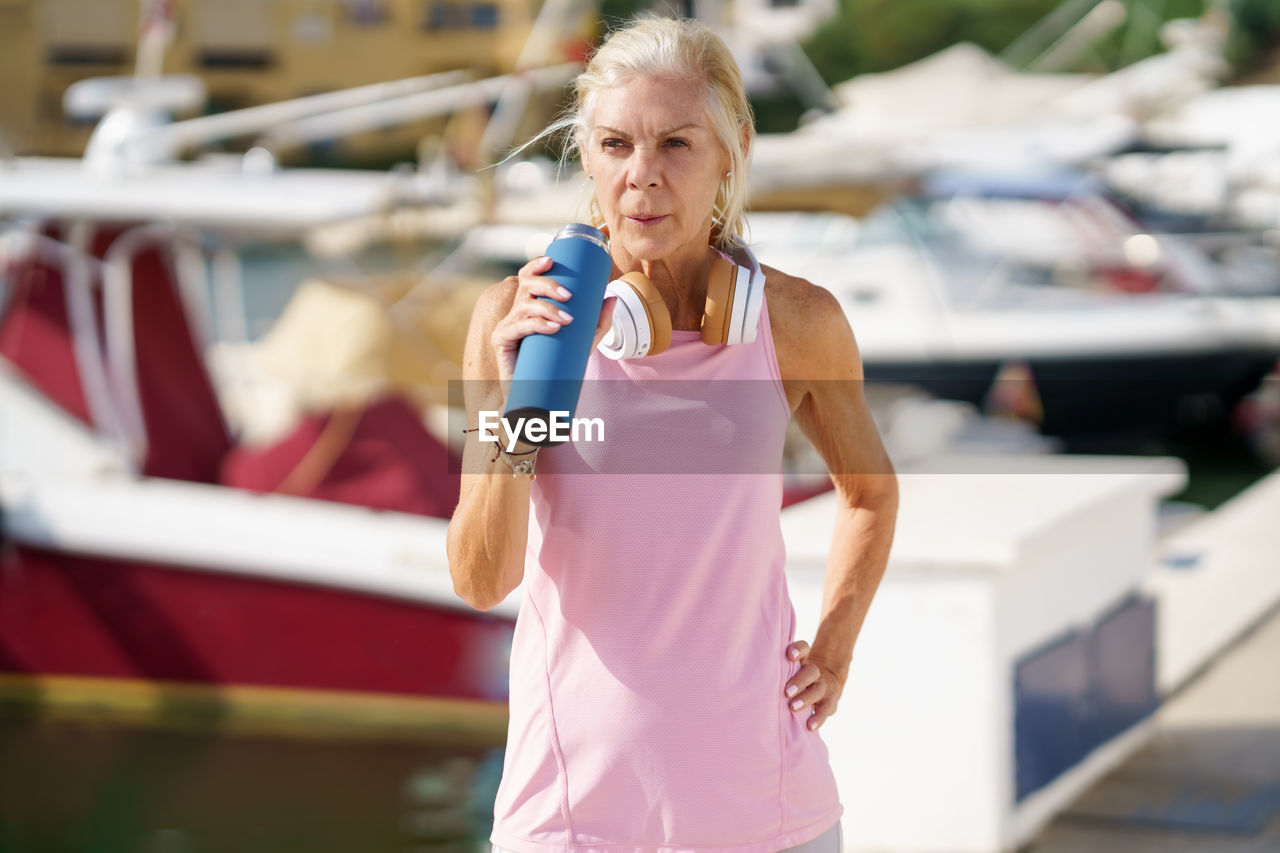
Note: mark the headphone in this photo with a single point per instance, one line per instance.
(730, 315)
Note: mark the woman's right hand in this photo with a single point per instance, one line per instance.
(529, 315)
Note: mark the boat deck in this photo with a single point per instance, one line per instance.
(1208, 780)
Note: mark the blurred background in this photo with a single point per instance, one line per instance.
(240, 242)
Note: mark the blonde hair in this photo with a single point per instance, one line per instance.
(674, 48)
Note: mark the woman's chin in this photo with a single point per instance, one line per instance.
(650, 246)
(646, 248)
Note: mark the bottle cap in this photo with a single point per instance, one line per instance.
(584, 232)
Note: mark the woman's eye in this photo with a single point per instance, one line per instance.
(678, 143)
(612, 143)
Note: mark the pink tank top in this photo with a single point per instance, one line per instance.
(648, 662)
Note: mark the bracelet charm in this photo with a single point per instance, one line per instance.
(522, 468)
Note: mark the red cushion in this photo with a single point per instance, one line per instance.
(381, 457)
(186, 434)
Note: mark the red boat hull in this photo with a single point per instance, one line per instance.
(89, 621)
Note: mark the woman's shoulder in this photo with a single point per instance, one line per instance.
(796, 295)
(808, 324)
(494, 302)
(490, 307)
(798, 308)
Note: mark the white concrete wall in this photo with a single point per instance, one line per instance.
(1219, 576)
(987, 566)
(914, 742)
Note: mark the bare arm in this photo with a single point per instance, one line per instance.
(488, 532)
(833, 414)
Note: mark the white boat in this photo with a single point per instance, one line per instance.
(1214, 159)
(965, 108)
(1112, 329)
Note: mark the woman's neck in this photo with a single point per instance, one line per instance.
(681, 278)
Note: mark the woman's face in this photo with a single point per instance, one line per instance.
(656, 165)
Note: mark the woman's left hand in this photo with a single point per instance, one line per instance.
(814, 687)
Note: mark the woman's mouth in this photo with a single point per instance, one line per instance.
(646, 221)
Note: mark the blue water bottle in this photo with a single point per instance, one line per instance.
(549, 368)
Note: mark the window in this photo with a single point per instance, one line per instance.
(233, 33)
(449, 15)
(366, 12)
(444, 15)
(88, 22)
(86, 32)
(228, 58)
(484, 16)
(87, 54)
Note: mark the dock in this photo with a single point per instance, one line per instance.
(1207, 781)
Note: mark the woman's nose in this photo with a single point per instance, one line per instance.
(643, 172)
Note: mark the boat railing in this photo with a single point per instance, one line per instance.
(81, 272)
(181, 135)
(188, 262)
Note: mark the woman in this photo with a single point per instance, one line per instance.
(658, 700)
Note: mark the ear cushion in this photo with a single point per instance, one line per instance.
(654, 308)
(641, 325)
(719, 303)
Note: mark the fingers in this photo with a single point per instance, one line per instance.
(536, 308)
(535, 266)
(530, 314)
(533, 283)
(530, 285)
(821, 712)
(813, 690)
(805, 688)
(819, 701)
(512, 330)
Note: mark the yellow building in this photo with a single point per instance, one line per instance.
(247, 52)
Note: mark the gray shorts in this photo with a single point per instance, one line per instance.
(831, 841)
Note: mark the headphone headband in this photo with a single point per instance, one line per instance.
(753, 296)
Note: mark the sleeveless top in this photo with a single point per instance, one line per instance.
(649, 656)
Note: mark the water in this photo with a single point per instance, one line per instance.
(76, 786)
